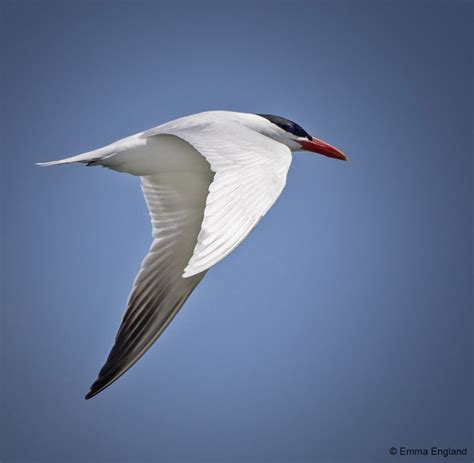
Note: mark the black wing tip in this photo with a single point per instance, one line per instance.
(94, 390)
(115, 366)
(89, 395)
(106, 379)
(99, 385)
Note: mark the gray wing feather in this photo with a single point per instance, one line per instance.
(176, 202)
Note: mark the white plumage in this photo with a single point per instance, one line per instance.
(207, 180)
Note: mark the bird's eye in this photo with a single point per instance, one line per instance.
(310, 138)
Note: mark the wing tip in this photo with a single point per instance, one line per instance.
(95, 389)
(89, 395)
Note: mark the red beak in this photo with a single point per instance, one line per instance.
(321, 147)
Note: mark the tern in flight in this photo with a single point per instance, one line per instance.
(208, 179)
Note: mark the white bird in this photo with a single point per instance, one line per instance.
(208, 179)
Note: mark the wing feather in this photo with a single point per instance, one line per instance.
(198, 217)
(176, 202)
(250, 173)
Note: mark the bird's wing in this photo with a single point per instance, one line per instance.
(196, 223)
(176, 203)
(250, 173)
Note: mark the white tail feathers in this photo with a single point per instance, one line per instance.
(86, 158)
(104, 156)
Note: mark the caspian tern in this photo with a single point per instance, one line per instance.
(207, 179)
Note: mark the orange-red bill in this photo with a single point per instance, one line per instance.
(321, 147)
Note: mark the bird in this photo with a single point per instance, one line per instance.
(207, 179)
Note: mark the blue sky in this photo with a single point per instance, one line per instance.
(340, 328)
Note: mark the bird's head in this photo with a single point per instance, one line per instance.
(296, 138)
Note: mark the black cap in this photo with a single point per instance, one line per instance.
(287, 125)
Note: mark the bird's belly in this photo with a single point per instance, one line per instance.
(159, 154)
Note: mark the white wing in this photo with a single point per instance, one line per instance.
(250, 173)
(214, 190)
(176, 202)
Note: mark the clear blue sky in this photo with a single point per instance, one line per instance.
(340, 328)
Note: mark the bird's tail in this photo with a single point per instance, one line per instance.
(86, 158)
